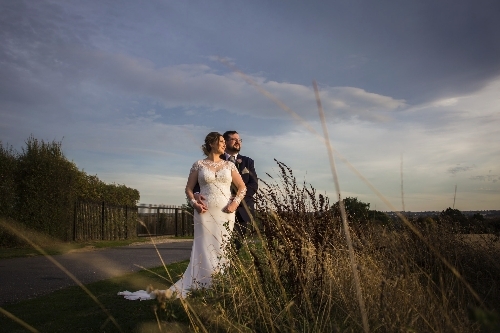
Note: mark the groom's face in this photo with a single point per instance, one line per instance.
(233, 144)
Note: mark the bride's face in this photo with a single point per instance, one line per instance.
(219, 147)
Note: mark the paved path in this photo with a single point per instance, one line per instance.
(24, 278)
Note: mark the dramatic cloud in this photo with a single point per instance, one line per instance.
(132, 89)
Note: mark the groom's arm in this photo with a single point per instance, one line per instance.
(252, 184)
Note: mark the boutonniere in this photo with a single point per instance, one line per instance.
(239, 160)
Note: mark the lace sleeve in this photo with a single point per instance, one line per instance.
(240, 195)
(195, 167)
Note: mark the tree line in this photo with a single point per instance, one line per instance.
(39, 187)
(359, 214)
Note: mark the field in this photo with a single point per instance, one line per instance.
(404, 288)
(307, 266)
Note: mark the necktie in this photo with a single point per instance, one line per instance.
(232, 159)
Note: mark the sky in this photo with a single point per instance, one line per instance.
(409, 91)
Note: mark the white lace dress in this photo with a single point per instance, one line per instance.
(211, 229)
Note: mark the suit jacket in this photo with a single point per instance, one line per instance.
(246, 169)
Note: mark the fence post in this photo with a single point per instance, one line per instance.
(102, 221)
(183, 223)
(150, 221)
(176, 220)
(158, 226)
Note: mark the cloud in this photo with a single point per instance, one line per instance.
(198, 85)
(486, 189)
(486, 178)
(152, 114)
(80, 72)
(454, 170)
(375, 148)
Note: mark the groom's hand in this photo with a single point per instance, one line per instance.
(199, 208)
(231, 208)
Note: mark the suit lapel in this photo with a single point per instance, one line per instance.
(242, 165)
(238, 157)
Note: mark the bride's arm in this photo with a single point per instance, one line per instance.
(241, 190)
(191, 183)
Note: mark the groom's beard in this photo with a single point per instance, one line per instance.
(233, 150)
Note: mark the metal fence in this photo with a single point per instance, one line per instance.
(101, 221)
(164, 220)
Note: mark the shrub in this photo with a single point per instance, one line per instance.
(45, 182)
(40, 188)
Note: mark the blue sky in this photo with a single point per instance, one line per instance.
(132, 88)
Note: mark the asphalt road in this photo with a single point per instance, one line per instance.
(25, 278)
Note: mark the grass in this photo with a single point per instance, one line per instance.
(249, 298)
(71, 310)
(298, 276)
(52, 248)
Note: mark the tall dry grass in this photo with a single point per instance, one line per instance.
(294, 274)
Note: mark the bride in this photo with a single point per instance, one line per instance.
(213, 219)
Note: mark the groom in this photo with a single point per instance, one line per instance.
(246, 169)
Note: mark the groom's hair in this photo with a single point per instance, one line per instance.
(228, 133)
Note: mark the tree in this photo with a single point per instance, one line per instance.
(356, 211)
(380, 217)
(453, 215)
(477, 217)
(8, 164)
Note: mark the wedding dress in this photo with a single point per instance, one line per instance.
(211, 230)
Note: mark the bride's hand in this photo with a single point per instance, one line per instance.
(231, 208)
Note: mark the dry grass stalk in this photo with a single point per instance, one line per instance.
(329, 148)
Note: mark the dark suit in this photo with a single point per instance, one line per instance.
(246, 169)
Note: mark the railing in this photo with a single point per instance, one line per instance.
(101, 221)
(164, 220)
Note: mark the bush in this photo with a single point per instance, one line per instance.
(40, 188)
(45, 182)
(8, 166)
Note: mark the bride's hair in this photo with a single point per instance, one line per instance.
(210, 139)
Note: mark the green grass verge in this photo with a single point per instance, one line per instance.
(72, 310)
(61, 248)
